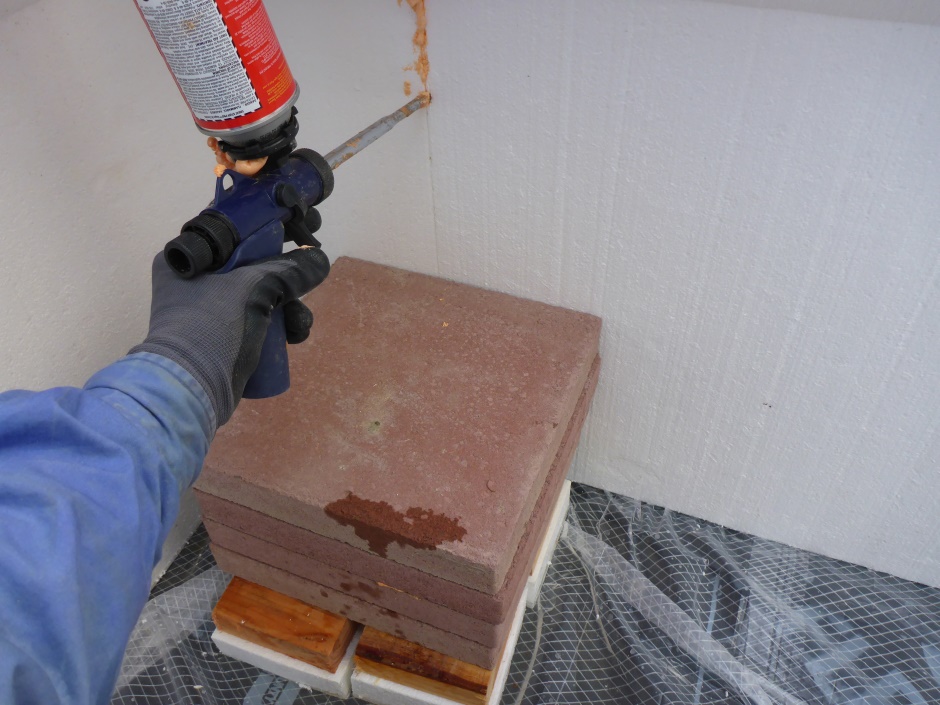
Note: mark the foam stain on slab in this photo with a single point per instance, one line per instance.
(380, 524)
(445, 402)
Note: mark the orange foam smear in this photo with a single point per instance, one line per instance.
(420, 43)
(247, 167)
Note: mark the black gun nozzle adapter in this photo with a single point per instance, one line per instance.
(276, 144)
(204, 244)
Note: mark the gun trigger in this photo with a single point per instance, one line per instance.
(299, 233)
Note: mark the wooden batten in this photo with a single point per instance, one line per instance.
(401, 661)
(294, 628)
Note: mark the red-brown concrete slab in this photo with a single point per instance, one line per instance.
(381, 596)
(361, 611)
(378, 580)
(422, 420)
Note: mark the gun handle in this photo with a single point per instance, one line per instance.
(272, 376)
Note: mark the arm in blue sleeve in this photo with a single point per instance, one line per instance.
(90, 482)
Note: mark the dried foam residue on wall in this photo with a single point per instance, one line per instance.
(420, 42)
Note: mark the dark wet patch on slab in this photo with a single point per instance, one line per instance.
(379, 524)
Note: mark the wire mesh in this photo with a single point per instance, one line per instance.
(640, 605)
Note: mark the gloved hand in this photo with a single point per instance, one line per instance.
(213, 325)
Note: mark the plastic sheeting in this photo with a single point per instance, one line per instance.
(641, 605)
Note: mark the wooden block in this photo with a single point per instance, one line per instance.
(288, 626)
(337, 683)
(544, 557)
(393, 671)
(378, 652)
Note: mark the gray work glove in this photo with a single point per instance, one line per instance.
(213, 325)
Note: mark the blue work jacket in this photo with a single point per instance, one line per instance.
(90, 484)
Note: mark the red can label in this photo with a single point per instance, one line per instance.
(224, 56)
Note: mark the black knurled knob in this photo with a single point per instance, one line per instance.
(188, 254)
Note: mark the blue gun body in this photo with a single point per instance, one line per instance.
(259, 209)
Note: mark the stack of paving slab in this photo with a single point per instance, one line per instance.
(407, 478)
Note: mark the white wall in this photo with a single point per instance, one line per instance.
(104, 165)
(748, 196)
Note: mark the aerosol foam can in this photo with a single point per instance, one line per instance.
(229, 67)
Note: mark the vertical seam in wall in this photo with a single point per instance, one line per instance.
(437, 247)
(427, 127)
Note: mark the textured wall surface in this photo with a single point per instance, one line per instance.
(104, 165)
(749, 198)
(746, 194)
(919, 11)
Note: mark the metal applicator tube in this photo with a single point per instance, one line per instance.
(363, 139)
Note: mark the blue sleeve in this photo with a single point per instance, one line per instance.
(90, 482)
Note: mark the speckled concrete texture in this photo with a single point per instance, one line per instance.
(382, 582)
(360, 611)
(423, 418)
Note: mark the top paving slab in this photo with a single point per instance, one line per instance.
(422, 419)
